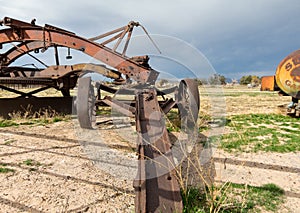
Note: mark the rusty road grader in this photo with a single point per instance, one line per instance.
(133, 75)
(286, 81)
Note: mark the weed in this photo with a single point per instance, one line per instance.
(173, 123)
(6, 170)
(28, 118)
(3, 168)
(230, 197)
(9, 141)
(7, 123)
(30, 162)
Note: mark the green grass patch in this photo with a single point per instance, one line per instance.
(3, 168)
(173, 122)
(6, 170)
(7, 123)
(17, 121)
(262, 132)
(233, 198)
(31, 162)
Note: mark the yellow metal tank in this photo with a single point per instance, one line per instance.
(287, 75)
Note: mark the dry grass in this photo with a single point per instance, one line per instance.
(49, 92)
(243, 100)
(207, 196)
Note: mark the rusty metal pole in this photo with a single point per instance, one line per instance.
(156, 187)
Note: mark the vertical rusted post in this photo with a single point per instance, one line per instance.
(156, 187)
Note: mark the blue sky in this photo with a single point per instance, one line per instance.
(236, 37)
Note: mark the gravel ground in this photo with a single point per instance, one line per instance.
(60, 168)
(60, 177)
(54, 172)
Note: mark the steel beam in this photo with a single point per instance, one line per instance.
(156, 187)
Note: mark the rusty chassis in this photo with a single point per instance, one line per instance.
(156, 192)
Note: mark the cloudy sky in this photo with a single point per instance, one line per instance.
(236, 37)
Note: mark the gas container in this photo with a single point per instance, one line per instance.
(287, 76)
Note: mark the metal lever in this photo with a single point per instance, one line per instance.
(69, 54)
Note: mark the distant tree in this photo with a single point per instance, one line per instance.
(222, 79)
(255, 81)
(246, 80)
(250, 79)
(217, 79)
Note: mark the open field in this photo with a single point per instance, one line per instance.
(46, 166)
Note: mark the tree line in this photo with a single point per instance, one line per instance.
(217, 79)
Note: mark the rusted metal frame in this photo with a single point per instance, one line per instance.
(168, 105)
(22, 80)
(14, 23)
(162, 104)
(132, 91)
(30, 46)
(126, 30)
(123, 31)
(107, 34)
(15, 50)
(31, 93)
(24, 94)
(102, 53)
(167, 91)
(51, 27)
(17, 24)
(31, 55)
(19, 50)
(18, 71)
(127, 41)
(119, 106)
(150, 38)
(107, 89)
(156, 187)
(112, 39)
(12, 90)
(101, 69)
(26, 47)
(66, 83)
(120, 39)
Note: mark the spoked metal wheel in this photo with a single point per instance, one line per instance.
(86, 110)
(188, 103)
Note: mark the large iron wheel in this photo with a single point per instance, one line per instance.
(188, 103)
(86, 110)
